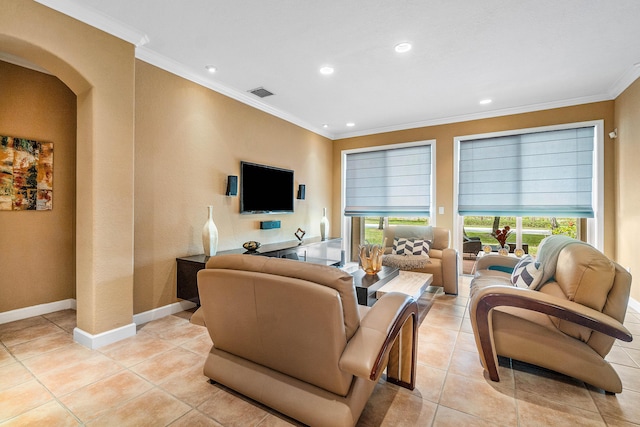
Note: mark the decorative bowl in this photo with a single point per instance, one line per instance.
(251, 245)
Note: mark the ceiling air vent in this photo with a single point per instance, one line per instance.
(261, 92)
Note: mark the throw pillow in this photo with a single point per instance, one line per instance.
(526, 273)
(402, 246)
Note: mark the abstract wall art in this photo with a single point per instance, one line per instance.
(26, 174)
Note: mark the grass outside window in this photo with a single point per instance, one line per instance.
(373, 230)
(534, 229)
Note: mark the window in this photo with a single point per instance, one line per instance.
(538, 181)
(544, 173)
(530, 230)
(387, 182)
(391, 184)
(373, 226)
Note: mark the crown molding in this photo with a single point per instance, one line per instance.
(167, 64)
(477, 116)
(118, 29)
(625, 80)
(98, 20)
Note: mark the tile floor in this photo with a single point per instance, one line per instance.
(155, 379)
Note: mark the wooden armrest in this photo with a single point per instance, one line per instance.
(490, 297)
(369, 348)
(495, 296)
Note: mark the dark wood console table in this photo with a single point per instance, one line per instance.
(324, 252)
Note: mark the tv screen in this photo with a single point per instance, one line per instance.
(265, 189)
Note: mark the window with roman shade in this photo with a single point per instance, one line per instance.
(534, 174)
(390, 182)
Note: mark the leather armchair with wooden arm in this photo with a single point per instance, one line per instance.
(290, 335)
(568, 325)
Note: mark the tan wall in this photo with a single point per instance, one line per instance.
(444, 135)
(188, 139)
(38, 262)
(99, 69)
(628, 206)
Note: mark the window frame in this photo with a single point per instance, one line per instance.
(595, 225)
(346, 220)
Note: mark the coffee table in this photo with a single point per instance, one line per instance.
(411, 283)
(367, 284)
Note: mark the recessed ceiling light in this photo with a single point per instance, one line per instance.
(210, 68)
(351, 124)
(326, 70)
(486, 101)
(403, 47)
(325, 125)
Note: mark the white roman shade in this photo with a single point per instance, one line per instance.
(534, 174)
(389, 182)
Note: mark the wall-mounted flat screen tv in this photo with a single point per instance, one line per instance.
(265, 189)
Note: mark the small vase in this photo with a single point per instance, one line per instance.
(210, 235)
(504, 250)
(324, 225)
(371, 258)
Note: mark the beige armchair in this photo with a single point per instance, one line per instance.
(290, 335)
(568, 324)
(443, 260)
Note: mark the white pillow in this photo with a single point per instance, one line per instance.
(527, 273)
(402, 246)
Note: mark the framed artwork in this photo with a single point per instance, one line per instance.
(26, 174)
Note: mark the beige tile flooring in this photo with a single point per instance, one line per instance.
(155, 379)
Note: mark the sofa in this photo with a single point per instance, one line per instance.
(562, 311)
(291, 335)
(443, 260)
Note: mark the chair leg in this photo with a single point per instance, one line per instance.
(401, 368)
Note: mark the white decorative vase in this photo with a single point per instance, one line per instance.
(210, 235)
(324, 225)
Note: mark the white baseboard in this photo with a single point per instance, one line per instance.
(160, 312)
(99, 340)
(634, 304)
(95, 341)
(37, 310)
(108, 337)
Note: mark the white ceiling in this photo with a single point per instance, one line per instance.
(525, 55)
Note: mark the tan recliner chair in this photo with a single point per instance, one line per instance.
(568, 325)
(290, 335)
(443, 260)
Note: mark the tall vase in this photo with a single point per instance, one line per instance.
(210, 235)
(324, 225)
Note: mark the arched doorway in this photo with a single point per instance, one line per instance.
(99, 69)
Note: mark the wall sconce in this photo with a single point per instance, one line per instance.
(301, 191)
(613, 134)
